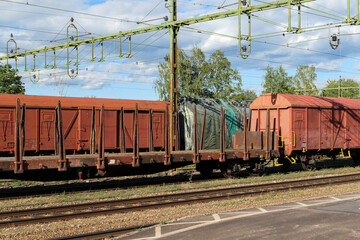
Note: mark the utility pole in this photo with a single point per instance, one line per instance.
(173, 30)
(339, 92)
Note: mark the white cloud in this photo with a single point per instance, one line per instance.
(306, 48)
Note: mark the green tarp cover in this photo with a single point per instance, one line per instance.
(234, 121)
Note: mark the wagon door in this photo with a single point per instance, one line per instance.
(7, 129)
(47, 121)
(298, 131)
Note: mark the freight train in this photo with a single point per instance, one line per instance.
(43, 135)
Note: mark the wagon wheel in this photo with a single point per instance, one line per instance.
(225, 170)
(256, 169)
(355, 156)
(307, 164)
(204, 169)
(206, 172)
(286, 164)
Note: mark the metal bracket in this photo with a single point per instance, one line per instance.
(222, 154)
(100, 164)
(93, 132)
(19, 137)
(60, 144)
(246, 150)
(136, 157)
(196, 155)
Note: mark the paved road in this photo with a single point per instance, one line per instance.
(324, 218)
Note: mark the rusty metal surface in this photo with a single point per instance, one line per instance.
(255, 140)
(81, 126)
(121, 159)
(271, 100)
(309, 123)
(33, 101)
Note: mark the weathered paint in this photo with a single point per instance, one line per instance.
(319, 123)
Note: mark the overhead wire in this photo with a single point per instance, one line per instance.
(303, 49)
(68, 10)
(151, 11)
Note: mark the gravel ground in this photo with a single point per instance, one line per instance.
(77, 226)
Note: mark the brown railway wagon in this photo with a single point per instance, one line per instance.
(40, 134)
(305, 126)
(78, 125)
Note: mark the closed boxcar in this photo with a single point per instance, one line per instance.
(306, 127)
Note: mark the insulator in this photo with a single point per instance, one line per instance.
(71, 19)
(11, 51)
(72, 38)
(243, 2)
(244, 48)
(166, 18)
(11, 35)
(166, 58)
(34, 76)
(72, 71)
(334, 37)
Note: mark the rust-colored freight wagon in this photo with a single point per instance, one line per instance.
(78, 123)
(45, 134)
(306, 126)
(40, 133)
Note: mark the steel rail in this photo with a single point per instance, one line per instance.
(37, 215)
(69, 188)
(105, 234)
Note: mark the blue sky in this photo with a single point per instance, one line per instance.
(34, 26)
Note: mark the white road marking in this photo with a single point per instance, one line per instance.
(262, 210)
(335, 198)
(216, 217)
(302, 204)
(158, 231)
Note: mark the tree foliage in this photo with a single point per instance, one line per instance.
(304, 80)
(346, 88)
(10, 82)
(200, 77)
(244, 95)
(277, 81)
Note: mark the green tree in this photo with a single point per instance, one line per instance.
(10, 82)
(223, 81)
(244, 95)
(304, 80)
(346, 88)
(199, 77)
(277, 81)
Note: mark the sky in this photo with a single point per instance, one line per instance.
(38, 23)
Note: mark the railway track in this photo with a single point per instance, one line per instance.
(48, 190)
(104, 234)
(10, 193)
(47, 214)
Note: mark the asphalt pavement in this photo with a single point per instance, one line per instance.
(336, 217)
